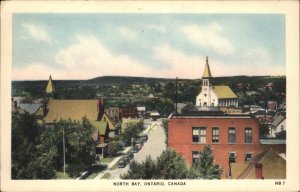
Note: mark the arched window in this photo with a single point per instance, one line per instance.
(205, 104)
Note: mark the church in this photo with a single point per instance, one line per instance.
(214, 96)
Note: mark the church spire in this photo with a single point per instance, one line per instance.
(206, 73)
(50, 87)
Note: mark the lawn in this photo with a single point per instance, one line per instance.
(114, 166)
(94, 171)
(106, 176)
(107, 160)
(60, 175)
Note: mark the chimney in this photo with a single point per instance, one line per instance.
(100, 108)
(44, 108)
(258, 171)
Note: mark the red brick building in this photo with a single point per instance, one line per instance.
(126, 112)
(233, 138)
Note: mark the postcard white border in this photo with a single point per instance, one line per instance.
(289, 8)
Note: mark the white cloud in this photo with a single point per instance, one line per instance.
(37, 33)
(127, 33)
(159, 28)
(208, 36)
(89, 58)
(179, 63)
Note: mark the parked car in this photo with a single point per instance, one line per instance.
(140, 142)
(130, 155)
(139, 146)
(122, 163)
(144, 138)
(135, 149)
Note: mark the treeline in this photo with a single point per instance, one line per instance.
(37, 151)
(170, 165)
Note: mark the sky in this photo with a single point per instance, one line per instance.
(85, 46)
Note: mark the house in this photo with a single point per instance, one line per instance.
(141, 110)
(180, 106)
(266, 165)
(278, 127)
(113, 129)
(113, 113)
(212, 96)
(130, 121)
(15, 101)
(231, 136)
(128, 112)
(32, 108)
(272, 105)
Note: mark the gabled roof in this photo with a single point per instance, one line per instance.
(278, 120)
(101, 126)
(71, 109)
(50, 87)
(259, 159)
(206, 73)
(224, 92)
(31, 108)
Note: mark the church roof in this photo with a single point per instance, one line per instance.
(71, 109)
(206, 73)
(224, 92)
(50, 87)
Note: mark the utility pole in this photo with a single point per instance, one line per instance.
(176, 96)
(64, 150)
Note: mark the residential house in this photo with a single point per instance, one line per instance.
(113, 113)
(278, 127)
(128, 112)
(141, 110)
(272, 105)
(266, 165)
(212, 96)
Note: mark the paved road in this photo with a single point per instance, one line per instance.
(153, 147)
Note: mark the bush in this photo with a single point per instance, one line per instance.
(113, 149)
(75, 170)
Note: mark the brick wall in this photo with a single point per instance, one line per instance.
(180, 138)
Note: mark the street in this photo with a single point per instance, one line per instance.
(153, 147)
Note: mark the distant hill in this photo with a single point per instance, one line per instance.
(116, 80)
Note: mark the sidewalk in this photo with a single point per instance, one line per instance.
(111, 164)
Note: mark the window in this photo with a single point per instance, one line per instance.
(248, 135)
(215, 135)
(195, 156)
(196, 132)
(248, 156)
(231, 157)
(199, 134)
(231, 135)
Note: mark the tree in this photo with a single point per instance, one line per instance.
(32, 154)
(169, 165)
(204, 167)
(79, 144)
(131, 131)
(113, 148)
